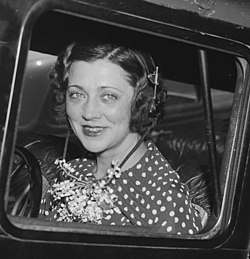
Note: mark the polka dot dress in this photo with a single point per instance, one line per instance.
(150, 194)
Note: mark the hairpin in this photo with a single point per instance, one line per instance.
(154, 79)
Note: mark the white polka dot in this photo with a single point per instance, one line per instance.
(126, 208)
(183, 224)
(125, 196)
(137, 208)
(163, 208)
(148, 206)
(150, 221)
(119, 188)
(152, 197)
(108, 217)
(154, 212)
(142, 201)
(125, 181)
(164, 223)
(132, 216)
(130, 174)
(146, 159)
(156, 219)
(190, 231)
(138, 166)
(147, 192)
(143, 215)
(131, 189)
(150, 169)
(158, 189)
(137, 183)
(176, 220)
(179, 195)
(169, 229)
(171, 213)
(181, 209)
(156, 162)
(158, 202)
(169, 198)
(143, 174)
(138, 223)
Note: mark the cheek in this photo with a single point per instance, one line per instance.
(119, 115)
(72, 111)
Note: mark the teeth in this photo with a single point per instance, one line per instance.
(93, 129)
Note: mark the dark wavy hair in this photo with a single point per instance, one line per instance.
(138, 66)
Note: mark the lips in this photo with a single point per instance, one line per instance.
(92, 131)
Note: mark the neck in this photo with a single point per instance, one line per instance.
(104, 159)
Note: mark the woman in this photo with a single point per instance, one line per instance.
(112, 96)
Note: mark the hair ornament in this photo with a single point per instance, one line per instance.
(154, 79)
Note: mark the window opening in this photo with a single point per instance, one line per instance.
(182, 93)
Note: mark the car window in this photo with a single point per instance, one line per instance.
(182, 135)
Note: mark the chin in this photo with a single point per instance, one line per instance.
(94, 146)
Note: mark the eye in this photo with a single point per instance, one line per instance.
(109, 97)
(76, 95)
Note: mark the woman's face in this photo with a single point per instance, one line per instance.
(98, 102)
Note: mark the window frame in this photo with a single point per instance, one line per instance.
(228, 215)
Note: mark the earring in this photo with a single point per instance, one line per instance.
(154, 79)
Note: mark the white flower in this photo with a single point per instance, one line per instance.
(84, 201)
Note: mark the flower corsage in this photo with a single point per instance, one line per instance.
(83, 200)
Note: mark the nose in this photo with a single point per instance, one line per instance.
(91, 110)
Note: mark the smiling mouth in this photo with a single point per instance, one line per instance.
(92, 131)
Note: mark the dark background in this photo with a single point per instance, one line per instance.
(177, 60)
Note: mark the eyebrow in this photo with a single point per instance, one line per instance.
(77, 86)
(102, 87)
